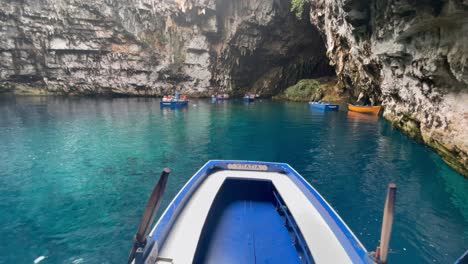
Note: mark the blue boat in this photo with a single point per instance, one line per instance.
(249, 99)
(324, 106)
(219, 99)
(249, 212)
(178, 103)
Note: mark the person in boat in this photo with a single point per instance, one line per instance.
(184, 98)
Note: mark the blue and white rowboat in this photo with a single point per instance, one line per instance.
(324, 106)
(178, 103)
(251, 212)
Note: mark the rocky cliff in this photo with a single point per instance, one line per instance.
(411, 56)
(152, 47)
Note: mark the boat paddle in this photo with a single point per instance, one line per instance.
(139, 241)
(381, 254)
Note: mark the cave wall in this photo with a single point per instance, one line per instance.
(155, 47)
(69, 47)
(410, 56)
(263, 48)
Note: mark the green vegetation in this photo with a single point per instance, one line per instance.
(163, 39)
(151, 40)
(304, 90)
(145, 43)
(322, 89)
(298, 7)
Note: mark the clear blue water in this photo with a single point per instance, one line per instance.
(75, 173)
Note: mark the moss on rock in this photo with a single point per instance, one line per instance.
(453, 156)
(304, 89)
(411, 127)
(312, 90)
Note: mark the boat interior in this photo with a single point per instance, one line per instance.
(250, 226)
(237, 216)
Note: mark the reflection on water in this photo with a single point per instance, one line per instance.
(75, 173)
(362, 118)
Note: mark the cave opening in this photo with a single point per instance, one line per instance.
(269, 48)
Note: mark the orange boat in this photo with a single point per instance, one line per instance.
(365, 109)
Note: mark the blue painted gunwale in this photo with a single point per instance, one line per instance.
(462, 259)
(291, 223)
(174, 103)
(355, 250)
(325, 107)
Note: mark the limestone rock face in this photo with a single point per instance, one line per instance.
(154, 47)
(70, 47)
(411, 56)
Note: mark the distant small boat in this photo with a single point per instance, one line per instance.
(177, 103)
(219, 98)
(365, 109)
(249, 212)
(324, 106)
(248, 99)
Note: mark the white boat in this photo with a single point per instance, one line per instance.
(250, 212)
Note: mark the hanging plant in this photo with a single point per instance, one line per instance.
(298, 7)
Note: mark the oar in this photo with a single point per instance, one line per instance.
(150, 212)
(387, 223)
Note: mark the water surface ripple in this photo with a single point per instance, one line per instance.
(75, 173)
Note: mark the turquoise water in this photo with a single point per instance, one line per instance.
(75, 173)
